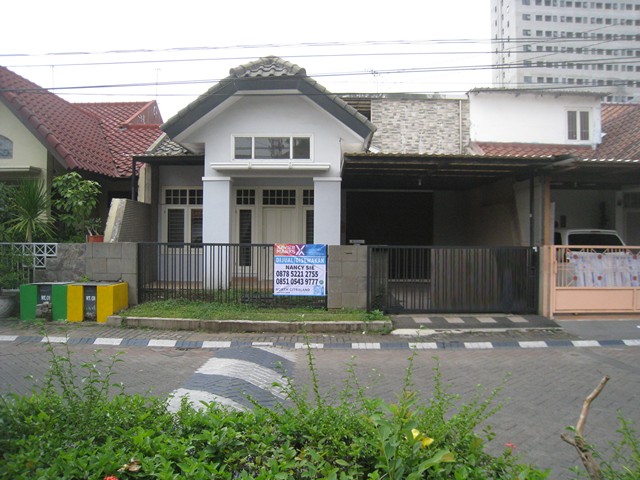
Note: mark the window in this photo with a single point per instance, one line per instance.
(183, 215)
(578, 125)
(279, 197)
(272, 148)
(6, 147)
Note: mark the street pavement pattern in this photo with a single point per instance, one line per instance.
(238, 378)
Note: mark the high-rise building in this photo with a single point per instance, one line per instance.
(568, 44)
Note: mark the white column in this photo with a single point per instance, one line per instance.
(326, 210)
(216, 228)
(216, 209)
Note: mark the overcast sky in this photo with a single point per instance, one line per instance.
(175, 50)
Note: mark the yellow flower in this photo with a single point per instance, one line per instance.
(426, 441)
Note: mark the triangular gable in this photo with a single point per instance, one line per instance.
(268, 74)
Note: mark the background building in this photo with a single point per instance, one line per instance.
(568, 44)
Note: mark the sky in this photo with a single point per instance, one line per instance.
(173, 51)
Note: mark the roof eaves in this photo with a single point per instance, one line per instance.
(36, 126)
(206, 102)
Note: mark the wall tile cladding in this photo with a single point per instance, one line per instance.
(422, 126)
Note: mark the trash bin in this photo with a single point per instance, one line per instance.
(96, 300)
(34, 294)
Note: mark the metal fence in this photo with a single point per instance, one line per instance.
(223, 273)
(453, 279)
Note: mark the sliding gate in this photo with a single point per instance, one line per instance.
(452, 279)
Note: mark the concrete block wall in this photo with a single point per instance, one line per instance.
(347, 277)
(112, 262)
(421, 125)
(101, 262)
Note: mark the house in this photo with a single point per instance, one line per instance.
(43, 135)
(595, 175)
(261, 160)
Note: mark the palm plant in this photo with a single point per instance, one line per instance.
(30, 214)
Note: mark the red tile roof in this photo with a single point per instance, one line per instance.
(126, 129)
(99, 139)
(621, 126)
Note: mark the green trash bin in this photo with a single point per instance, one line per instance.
(33, 294)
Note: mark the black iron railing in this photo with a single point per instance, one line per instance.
(224, 273)
(453, 279)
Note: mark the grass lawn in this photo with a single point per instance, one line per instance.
(218, 311)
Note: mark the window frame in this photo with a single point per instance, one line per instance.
(253, 136)
(579, 114)
(6, 145)
(193, 202)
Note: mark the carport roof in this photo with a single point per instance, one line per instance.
(461, 172)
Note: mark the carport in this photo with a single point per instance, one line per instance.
(485, 276)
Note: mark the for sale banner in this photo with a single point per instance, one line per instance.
(300, 269)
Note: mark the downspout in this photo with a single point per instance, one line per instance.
(460, 125)
(133, 178)
(531, 209)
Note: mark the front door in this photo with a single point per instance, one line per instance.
(280, 225)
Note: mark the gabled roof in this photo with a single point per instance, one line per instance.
(268, 74)
(96, 138)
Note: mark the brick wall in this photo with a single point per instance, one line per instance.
(420, 125)
(129, 221)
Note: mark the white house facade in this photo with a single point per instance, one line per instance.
(272, 141)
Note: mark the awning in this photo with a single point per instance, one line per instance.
(435, 172)
(462, 172)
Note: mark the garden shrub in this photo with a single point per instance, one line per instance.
(79, 425)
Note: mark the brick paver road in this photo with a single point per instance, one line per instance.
(543, 393)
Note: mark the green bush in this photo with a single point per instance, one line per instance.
(79, 425)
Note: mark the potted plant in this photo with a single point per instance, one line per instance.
(75, 200)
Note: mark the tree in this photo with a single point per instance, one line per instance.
(75, 200)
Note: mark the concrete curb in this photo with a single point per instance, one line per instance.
(248, 326)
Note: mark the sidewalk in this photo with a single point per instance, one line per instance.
(463, 332)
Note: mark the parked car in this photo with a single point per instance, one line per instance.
(587, 236)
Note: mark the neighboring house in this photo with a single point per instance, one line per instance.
(594, 179)
(43, 135)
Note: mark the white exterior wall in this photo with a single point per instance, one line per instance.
(27, 150)
(529, 117)
(273, 115)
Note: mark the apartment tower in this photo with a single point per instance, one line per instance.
(568, 44)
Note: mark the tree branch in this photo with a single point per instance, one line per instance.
(590, 465)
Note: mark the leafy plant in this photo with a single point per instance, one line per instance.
(75, 200)
(86, 427)
(13, 267)
(30, 211)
